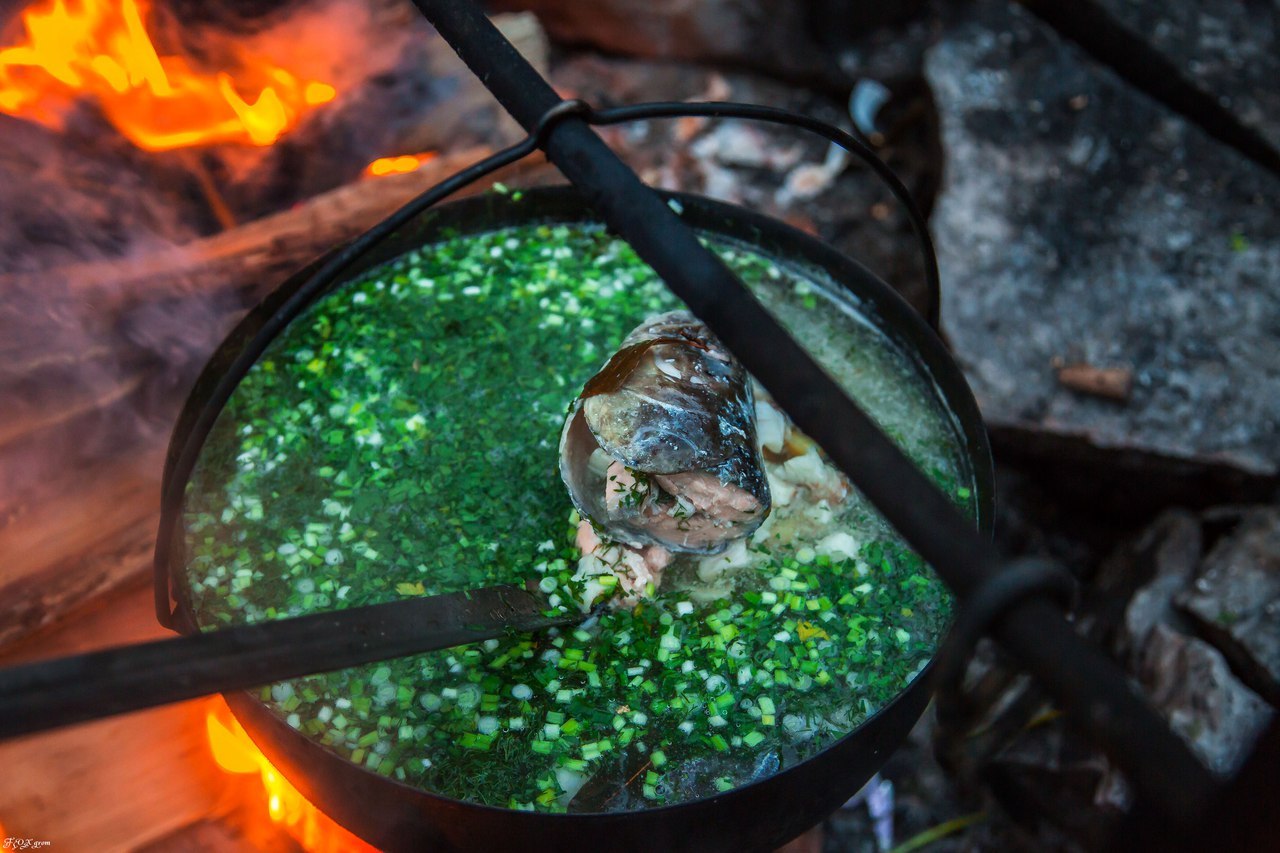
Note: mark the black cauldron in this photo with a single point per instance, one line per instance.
(758, 816)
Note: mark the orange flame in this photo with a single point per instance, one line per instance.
(100, 48)
(236, 753)
(398, 165)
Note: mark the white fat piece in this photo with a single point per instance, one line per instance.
(771, 426)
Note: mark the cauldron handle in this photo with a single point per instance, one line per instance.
(50, 693)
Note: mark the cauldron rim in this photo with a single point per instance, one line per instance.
(291, 750)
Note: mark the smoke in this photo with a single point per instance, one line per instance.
(342, 42)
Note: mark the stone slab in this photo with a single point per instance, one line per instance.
(1082, 223)
(1235, 600)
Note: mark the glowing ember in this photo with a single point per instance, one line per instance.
(100, 49)
(398, 165)
(236, 753)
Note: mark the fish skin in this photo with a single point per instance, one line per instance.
(670, 402)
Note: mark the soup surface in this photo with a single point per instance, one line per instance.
(400, 439)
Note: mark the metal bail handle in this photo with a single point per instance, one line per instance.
(847, 141)
(986, 605)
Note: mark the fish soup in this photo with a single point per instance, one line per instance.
(401, 439)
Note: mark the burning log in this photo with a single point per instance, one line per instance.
(215, 124)
(94, 361)
(271, 245)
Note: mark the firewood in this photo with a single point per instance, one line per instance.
(75, 538)
(242, 256)
(117, 784)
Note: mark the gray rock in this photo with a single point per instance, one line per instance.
(1082, 222)
(1190, 683)
(1057, 774)
(1230, 51)
(1169, 551)
(1037, 765)
(1187, 677)
(1235, 600)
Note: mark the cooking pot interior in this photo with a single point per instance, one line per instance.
(391, 811)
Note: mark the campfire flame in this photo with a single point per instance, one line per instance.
(101, 49)
(400, 165)
(236, 753)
